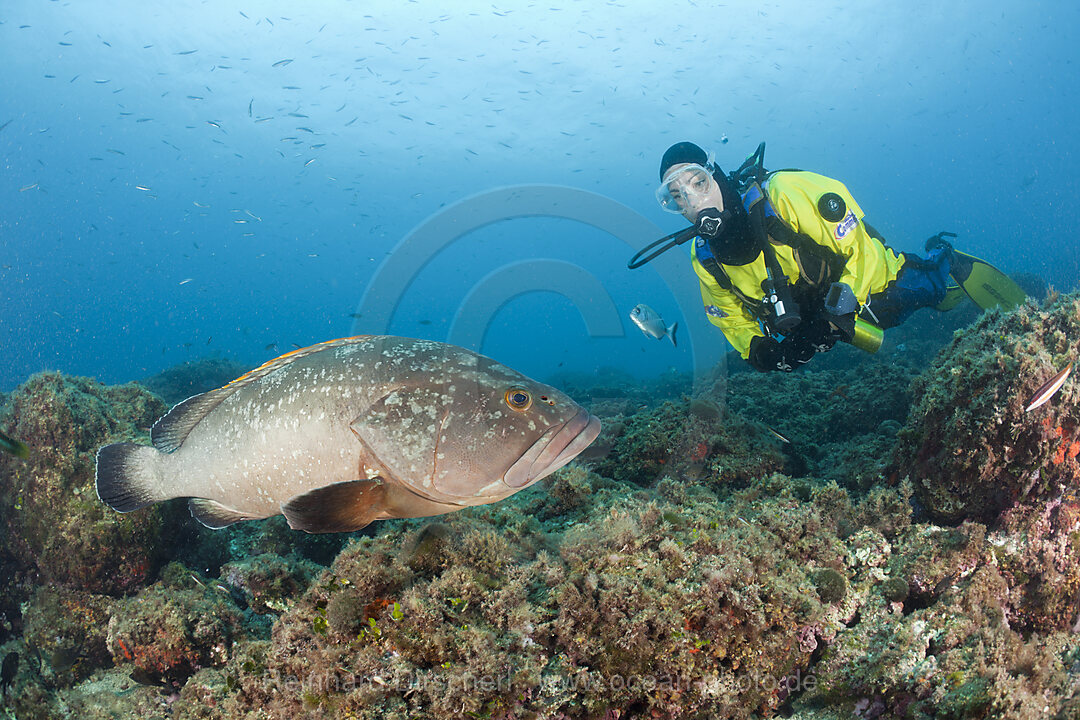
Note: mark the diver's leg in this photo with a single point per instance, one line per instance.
(921, 283)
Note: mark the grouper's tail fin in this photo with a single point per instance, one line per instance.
(128, 476)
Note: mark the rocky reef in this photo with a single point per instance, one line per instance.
(969, 446)
(56, 531)
(871, 541)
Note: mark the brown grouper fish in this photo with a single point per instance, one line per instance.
(348, 431)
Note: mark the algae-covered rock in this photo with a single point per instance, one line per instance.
(1037, 550)
(830, 584)
(969, 446)
(108, 694)
(175, 627)
(180, 382)
(642, 608)
(709, 586)
(269, 582)
(695, 438)
(53, 520)
(841, 424)
(952, 647)
(67, 631)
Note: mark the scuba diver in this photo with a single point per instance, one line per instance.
(788, 266)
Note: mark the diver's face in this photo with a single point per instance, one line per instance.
(693, 189)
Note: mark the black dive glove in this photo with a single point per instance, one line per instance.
(841, 306)
(767, 354)
(843, 327)
(810, 337)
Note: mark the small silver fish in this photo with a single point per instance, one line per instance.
(345, 432)
(778, 435)
(1049, 389)
(650, 323)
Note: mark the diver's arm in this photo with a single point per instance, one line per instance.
(725, 311)
(866, 267)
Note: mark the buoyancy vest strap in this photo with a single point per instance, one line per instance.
(753, 195)
(757, 207)
(831, 263)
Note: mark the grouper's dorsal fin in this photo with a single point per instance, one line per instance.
(169, 432)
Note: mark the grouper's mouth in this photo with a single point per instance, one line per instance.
(556, 447)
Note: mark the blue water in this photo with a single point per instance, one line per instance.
(171, 189)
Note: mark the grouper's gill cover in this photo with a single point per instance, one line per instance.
(453, 437)
(349, 431)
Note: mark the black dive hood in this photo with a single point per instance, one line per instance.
(733, 243)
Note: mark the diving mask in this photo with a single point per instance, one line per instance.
(684, 187)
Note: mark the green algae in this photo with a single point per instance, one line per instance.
(831, 585)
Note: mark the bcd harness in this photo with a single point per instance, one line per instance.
(818, 266)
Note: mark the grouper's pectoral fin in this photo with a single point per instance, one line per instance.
(340, 507)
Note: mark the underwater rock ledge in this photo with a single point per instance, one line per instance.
(681, 575)
(969, 446)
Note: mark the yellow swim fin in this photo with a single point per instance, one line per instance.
(982, 282)
(954, 295)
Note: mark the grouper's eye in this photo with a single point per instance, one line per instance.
(518, 399)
